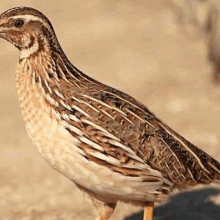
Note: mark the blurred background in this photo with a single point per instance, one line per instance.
(157, 51)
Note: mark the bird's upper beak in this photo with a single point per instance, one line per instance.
(2, 31)
(1, 27)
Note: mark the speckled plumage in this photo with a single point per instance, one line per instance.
(109, 144)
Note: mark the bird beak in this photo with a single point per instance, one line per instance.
(2, 32)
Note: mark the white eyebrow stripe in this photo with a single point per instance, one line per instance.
(32, 18)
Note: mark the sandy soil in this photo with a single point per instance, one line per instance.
(134, 46)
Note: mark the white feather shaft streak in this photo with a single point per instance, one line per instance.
(124, 100)
(135, 115)
(91, 143)
(97, 127)
(177, 159)
(128, 149)
(90, 106)
(106, 113)
(104, 104)
(187, 148)
(103, 157)
(80, 110)
(97, 100)
(73, 128)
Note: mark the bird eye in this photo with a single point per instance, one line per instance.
(18, 23)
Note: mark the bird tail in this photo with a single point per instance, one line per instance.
(200, 167)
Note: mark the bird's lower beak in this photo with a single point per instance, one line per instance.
(2, 30)
(2, 33)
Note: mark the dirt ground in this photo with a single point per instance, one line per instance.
(134, 46)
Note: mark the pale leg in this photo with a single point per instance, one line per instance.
(148, 211)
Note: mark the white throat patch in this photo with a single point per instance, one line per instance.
(24, 53)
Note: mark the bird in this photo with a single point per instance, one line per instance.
(105, 141)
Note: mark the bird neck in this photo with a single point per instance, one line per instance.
(33, 46)
(48, 66)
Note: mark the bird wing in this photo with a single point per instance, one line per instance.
(120, 133)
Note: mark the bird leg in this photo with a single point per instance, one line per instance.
(105, 210)
(148, 211)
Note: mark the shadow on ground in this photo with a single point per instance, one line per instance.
(194, 205)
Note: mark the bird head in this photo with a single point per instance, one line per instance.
(28, 30)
